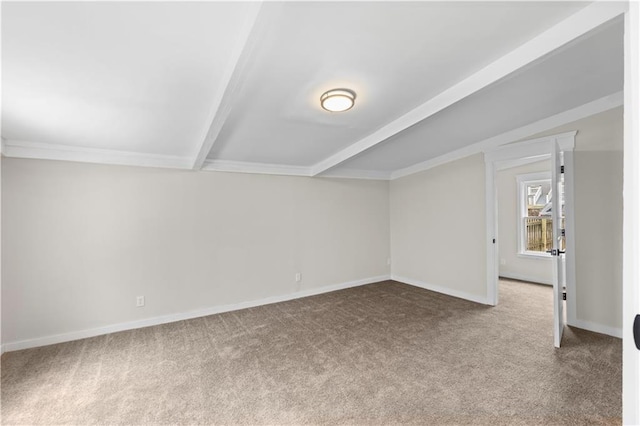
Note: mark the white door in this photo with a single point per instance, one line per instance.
(557, 210)
(631, 226)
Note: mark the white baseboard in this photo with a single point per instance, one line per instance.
(521, 277)
(444, 290)
(83, 334)
(596, 328)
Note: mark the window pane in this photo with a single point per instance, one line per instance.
(538, 222)
(539, 233)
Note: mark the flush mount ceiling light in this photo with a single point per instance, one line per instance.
(338, 100)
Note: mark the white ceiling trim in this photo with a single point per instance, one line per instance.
(571, 28)
(287, 170)
(357, 174)
(261, 168)
(532, 148)
(509, 164)
(46, 151)
(224, 100)
(578, 113)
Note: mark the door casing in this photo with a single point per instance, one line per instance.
(514, 155)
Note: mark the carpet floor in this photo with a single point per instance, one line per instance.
(384, 353)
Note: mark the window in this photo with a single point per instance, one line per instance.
(535, 221)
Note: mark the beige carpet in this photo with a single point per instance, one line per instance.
(385, 353)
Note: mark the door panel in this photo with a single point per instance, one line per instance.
(557, 210)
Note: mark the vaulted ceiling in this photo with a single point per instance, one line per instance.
(235, 86)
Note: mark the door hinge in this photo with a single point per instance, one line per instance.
(564, 295)
(561, 169)
(494, 241)
(562, 233)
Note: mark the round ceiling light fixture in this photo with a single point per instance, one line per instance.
(338, 100)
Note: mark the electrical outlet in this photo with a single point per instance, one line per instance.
(298, 277)
(503, 262)
(139, 301)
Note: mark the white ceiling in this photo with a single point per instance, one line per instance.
(605, 130)
(584, 71)
(236, 85)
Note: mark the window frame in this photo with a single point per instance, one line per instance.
(522, 181)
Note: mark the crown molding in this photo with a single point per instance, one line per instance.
(532, 148)
(555, 37)
(357, 174)
(288, 170)
(595, 107)
(46, 151)
(260, 168)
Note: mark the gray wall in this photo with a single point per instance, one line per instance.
(599, 237)
(598, 161)
(81, 241)
(438, 229)
(529, 268)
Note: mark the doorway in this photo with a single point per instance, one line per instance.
(556, 150)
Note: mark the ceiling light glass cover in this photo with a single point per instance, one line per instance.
(338, 100)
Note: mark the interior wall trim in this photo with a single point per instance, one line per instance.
(596, 328)
(357, 174)
(164, 319)
(288, 170)
(522, 277)
(441, 289)
(259, 168)
(600, 105)
(47, 151)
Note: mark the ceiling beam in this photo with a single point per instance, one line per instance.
(583, 111)
(571, 28)
(253, 27)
